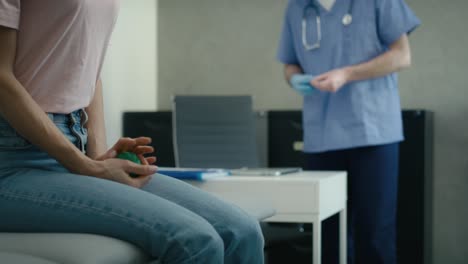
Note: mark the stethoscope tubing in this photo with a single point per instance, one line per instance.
(347, 20)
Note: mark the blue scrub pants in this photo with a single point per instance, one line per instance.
(169, 219)
(372, 201)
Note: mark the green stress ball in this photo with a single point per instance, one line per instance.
(131, 157)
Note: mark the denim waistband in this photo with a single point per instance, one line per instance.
(72, 125)
(78, 116)
(75, 121)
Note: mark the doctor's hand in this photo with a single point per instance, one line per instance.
(331, 81)
(302, 83)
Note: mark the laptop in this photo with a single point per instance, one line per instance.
(264, 171)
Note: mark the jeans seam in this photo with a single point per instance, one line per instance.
(50, 202)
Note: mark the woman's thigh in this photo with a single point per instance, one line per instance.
(240, 232)
(219, 213)
(34, 200)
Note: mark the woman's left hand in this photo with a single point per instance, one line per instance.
(331, 81)
(139, 146)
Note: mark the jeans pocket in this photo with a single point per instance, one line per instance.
(10, 140)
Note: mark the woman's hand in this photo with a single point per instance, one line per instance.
(139, 146)
(118, 170)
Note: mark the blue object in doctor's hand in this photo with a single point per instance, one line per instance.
(301, 83)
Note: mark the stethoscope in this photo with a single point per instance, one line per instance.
(347, 20)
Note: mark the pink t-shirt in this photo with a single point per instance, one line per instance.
(60, 48)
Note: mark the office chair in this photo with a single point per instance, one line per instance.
(214, 131)
(218, 132)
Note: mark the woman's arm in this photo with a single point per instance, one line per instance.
(25, 115)
(97, 148)
(96, 127)
(397, 58)
(30, 121)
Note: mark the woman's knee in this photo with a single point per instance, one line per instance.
(244, 242)
(247, 233)
(212, 244)
(253, 232)
(198, 243)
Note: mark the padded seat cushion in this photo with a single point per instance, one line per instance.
(7, 257)
(71, 248)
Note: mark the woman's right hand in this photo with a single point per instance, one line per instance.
(111, 168)
(118, 170)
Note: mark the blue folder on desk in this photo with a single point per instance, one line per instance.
(265, 171)
(193, 173)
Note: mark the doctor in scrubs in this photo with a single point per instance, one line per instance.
(342, 56)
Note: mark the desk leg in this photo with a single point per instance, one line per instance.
(343, 237)
(317, 241)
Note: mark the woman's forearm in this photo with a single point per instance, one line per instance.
(19, 109)
(96, 127)
(34, 125)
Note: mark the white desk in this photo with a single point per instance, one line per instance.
(305, 197)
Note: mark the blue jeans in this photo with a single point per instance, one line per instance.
(169, 219)
(372, 203)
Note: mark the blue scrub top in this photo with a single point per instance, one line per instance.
(362, 113)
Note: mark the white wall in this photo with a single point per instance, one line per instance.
(129, 73)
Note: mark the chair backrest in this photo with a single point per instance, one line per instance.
(214, 131)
